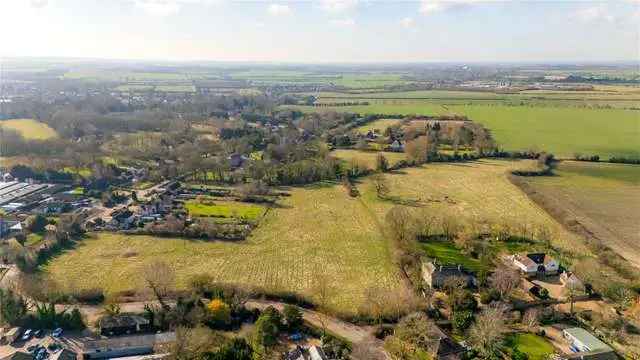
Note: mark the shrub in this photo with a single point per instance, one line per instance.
(462, 320)
(488, 296)
(219, 312)
(292, 316)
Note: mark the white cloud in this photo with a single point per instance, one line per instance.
(39, 3)
(407, 22)
(338, 6)
(343, 22)
(279, 10)
(594, 13)
(165, 7)
(432, 6)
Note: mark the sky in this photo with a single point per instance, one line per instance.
(323, 31)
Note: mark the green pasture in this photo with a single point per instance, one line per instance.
(225, 209)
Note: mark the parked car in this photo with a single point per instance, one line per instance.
(33, 348)
(57, 333)
(42, 354)
(27, 335)
(39, 334)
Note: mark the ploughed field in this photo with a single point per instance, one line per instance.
(604, 198)
(317, 232)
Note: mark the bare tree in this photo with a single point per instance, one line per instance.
(159, 278)
(381, 185)
(504, 280)
(321, 292)
(487, 333)
(531, 319)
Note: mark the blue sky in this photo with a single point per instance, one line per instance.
(323, 30)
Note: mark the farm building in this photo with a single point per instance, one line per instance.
(124, 346)
(436, 275)
(586, 346)
(535, 264)
(123, 324)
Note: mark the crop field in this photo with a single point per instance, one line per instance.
(318, 231)
(605, 132)
(29, 128)
(367, 158)
(225, 209)
(604, 198)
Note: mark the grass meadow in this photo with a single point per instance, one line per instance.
(30, 129)
(318, 231)
(367, 158)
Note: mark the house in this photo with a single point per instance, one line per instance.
(534, 264)
(123, 324)
(397, 146)
(586, 346)
(9, 336)
(316, 353)
(296, 354)
(436, 275)
(18, 355)
(236, 160)
(569, 280)
(64, 354)
(9, 227)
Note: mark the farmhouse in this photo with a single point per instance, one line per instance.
(586, 346)
(436, 275)
(570, 280)
(535, 264)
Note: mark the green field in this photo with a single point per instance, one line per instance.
(563, 131)
(318, 231)
(536, 347)
(605, 198)
(224, 209)
(30, 129)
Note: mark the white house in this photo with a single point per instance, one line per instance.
(537, 263)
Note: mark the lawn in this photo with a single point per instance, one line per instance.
(225, 209)
(30, 129)
(447, 254)
(604, 198)
(318, 231)
(536, 347)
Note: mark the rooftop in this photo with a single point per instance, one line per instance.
(585, 337)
